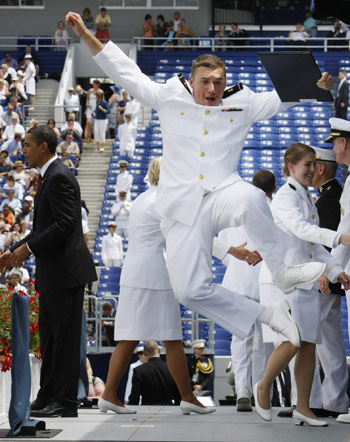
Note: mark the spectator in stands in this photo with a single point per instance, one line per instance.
(24, 272)
(176, 20)
(340, 29)
(52, 123)
(10, 184)
(32, 180)
(29, 79)
(29, 51)
(222, 35)
(68, 162)
(5, 168)
(16, 106)
(7, 116)
(88, 19)
(310, 24)
(13, 280)
(100, 123)
(6, 75)
(3, 235)
(170, 34)
(33, 122)
(61, 37)
(112, 247)
(126, 137)
(75, 126)
(183, 33)
(13, 145)
(200, 367)
(342, 98)
(142, 358)
(148, 32)
(70, 147)
(298, 36)
(152, 382)
(96, 385)
(161, 29)
(11, 62)
(13, 128)
(18, 173)
(113, 115)
(132, 108)
(81, 94)
(23, 229)
(121, 211)
(236, 34)
(18, 87)
(71, 103)
(103, 22)
(124, 179)
(90, 107)
(26, 213)
(121, 106)
(8, 215)
(13, 235)
(11, 201)
(3, 90)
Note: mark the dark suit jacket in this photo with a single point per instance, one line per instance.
(328, 209)
(62, 257)
(154, 383)
(343, 95)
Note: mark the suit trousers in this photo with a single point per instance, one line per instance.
(189, 254)
(60, 316)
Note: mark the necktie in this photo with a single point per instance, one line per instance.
(38, 182)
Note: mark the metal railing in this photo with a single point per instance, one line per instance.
(244, 43)
(43, 112)
(39, 42)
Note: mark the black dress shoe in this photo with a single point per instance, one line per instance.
(38, 404)
(328, 413)
(55, 410)
(286, 413)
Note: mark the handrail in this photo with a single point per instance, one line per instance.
(16, 42)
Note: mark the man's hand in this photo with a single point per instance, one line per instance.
(323, 284)
(19, 255)
(325, 82)
(243, 254)
(5, 261)
(344, 280)
(342, 104)
(197, 387)
(76, 22)
(345, 239)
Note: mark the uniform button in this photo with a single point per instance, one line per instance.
(231, 120)
(181, 113)
(205, 132)
(313, 216)
(201, 176)
(312, 243)
(309, 255)
(207, 112)
(202, 154)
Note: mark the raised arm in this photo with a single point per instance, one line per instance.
(76, 22)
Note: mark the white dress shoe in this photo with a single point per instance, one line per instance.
(300, 419)
(300, 274)
(244, 402)
(187, 408)
(105, 406)
(264, 414)
(344, 418)
(283, 322)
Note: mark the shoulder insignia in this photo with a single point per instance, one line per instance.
(292, 186)
(184, 83)
(232, 90)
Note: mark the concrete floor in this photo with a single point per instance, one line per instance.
(167, 424)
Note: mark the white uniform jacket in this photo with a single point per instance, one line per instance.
(121, 211)
(146, 244)
(29, 78)
(132, 107)
(342, 253)
(126, 138)
(112, 247)
(201, 145)
(124, 182)
(295, 213)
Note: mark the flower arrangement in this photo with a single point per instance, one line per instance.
(6, 295)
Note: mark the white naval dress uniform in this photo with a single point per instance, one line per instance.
(126, 139)
(132, 107)
(124, 183)
(200, 191)
(29, 78)
(121, 212)
(112, 250)
(147, 309)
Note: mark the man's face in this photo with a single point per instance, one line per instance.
(198, 352)
(32, 151)
(69, 138)
(339, 147)
(122, 197)
(9, 109)
(299, 28)
(208, 86)
(176, 16)
(341, 75)
(10, 195)
(112, 229)
(2, 159)
(317, 178)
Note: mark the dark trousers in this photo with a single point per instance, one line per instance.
(340, 112)
(60, 314)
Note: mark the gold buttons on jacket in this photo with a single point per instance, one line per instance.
(205, 132)
(313, 216)
(309, 255)
(181, 113)
(201, 176)
(202, 154)
(207, 112)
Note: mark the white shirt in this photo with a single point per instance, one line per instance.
(11, 130)
(132, 107)
(112, 247)
(71, 103)
(124, 182)
(121, 211)
(76, 126)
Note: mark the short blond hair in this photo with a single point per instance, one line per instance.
(154, 171)
(208, 61)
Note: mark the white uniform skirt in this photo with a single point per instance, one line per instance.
(306, 310)
(30, 86)
(145, 314)
(100, 127)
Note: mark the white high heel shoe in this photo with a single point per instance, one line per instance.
(264, 414)
(105, 406)
(187, 407)
(300, 419)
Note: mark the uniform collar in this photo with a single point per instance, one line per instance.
(323, 187)
(299, 188)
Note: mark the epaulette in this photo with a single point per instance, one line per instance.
(232, 90)
(292, 186)
(184, 82)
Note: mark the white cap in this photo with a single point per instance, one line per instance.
(28, 56)
(339, 128)
(324, 154)
(199, 343)
(21, 73)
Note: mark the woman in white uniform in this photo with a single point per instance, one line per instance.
(29, 78)
(147, 309)
(295, 213)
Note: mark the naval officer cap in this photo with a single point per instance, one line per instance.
(199, 343)
(112, 224)
(339, 128)
(123, 163)
(324, 154)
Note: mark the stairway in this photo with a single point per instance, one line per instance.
(92, 176)
(46, 91)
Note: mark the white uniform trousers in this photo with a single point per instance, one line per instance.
(122, 231)
(189, 250)
(113, 262)
(332, 355)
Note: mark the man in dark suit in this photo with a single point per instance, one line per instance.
(63, 267)
(152, 381)
(342, 99)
